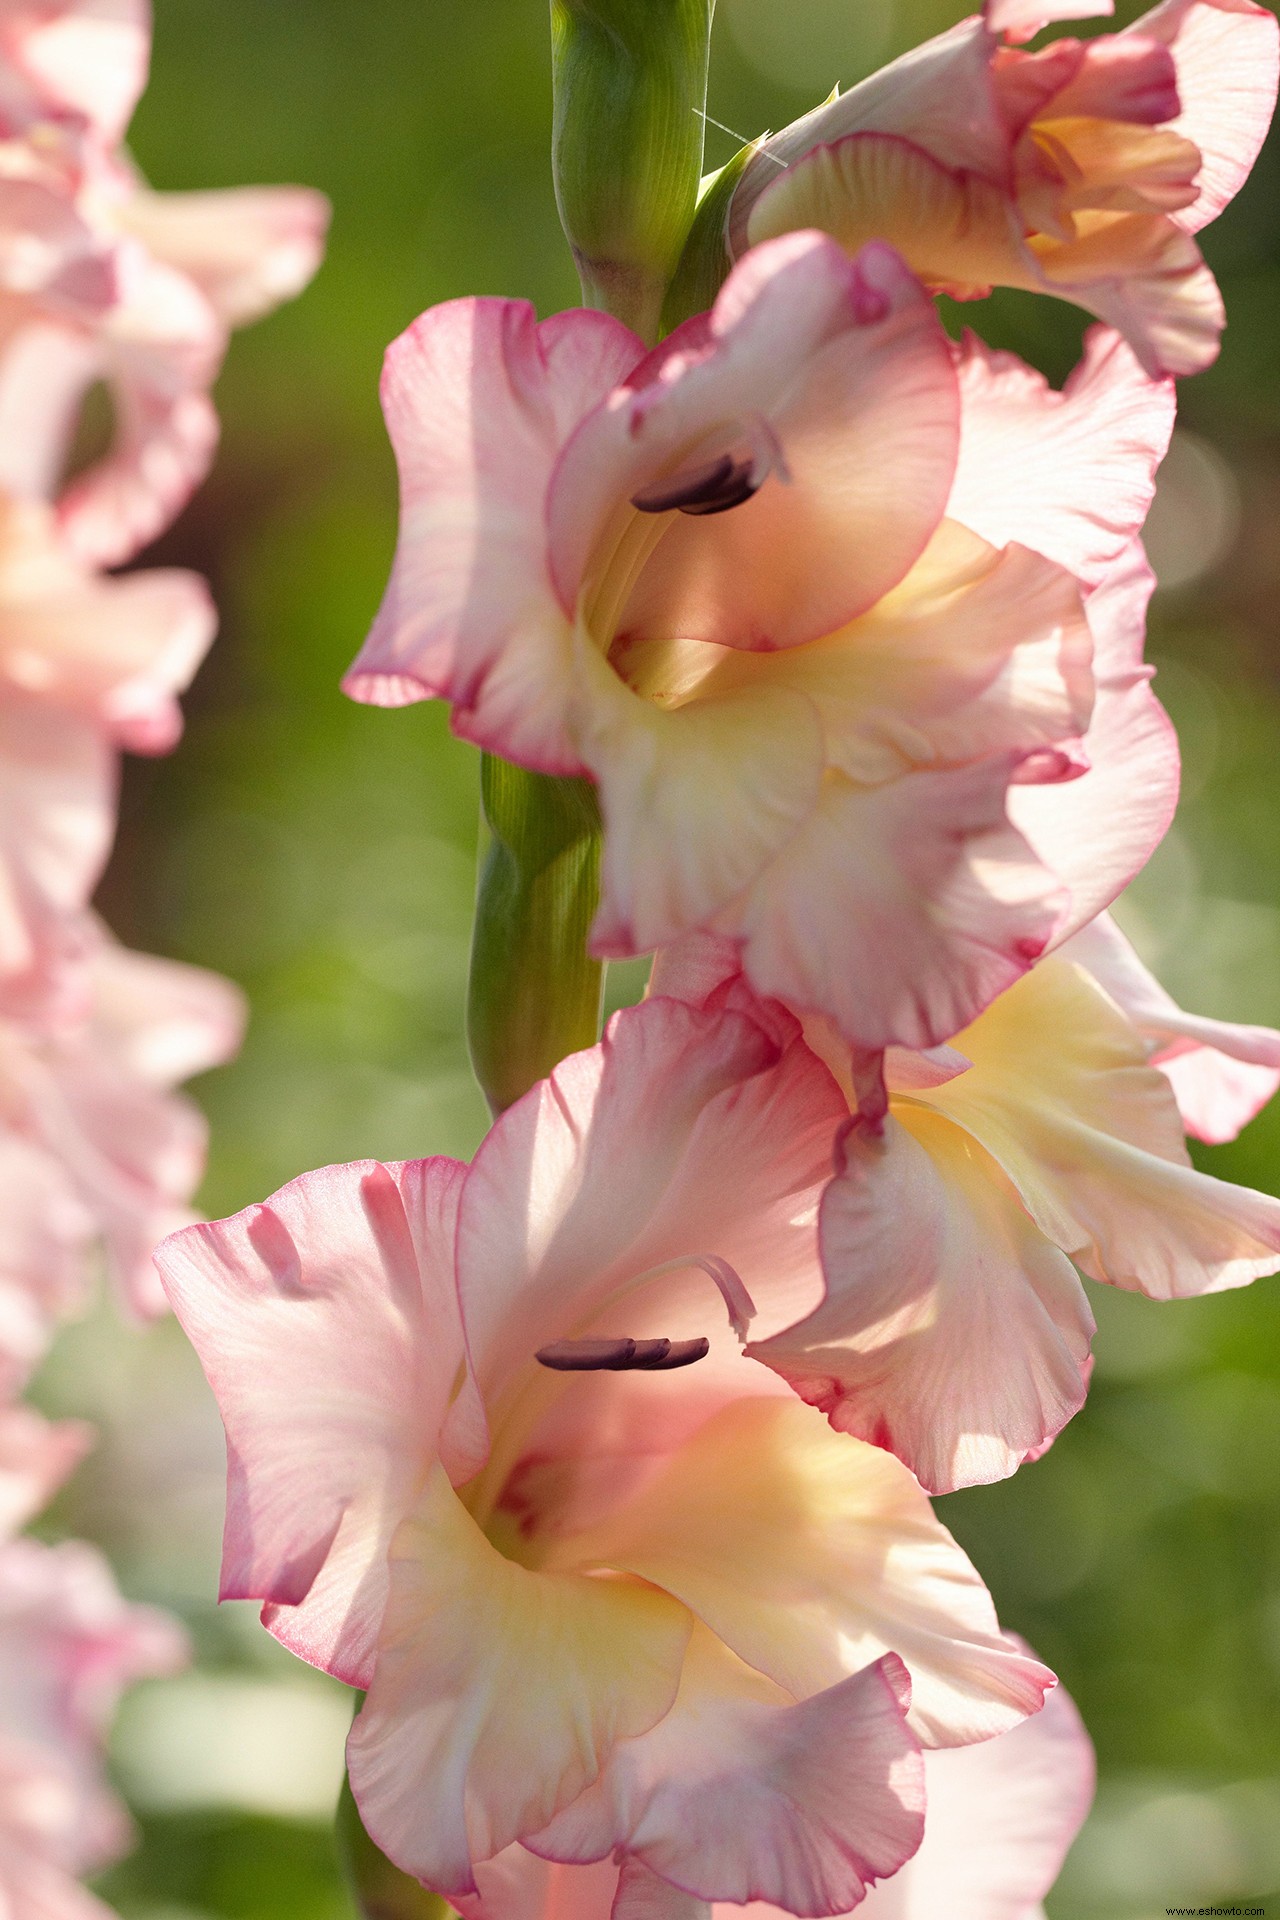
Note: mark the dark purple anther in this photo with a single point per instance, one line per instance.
(714, 488)
(621, 1356)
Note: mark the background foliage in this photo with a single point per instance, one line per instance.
(323, 855)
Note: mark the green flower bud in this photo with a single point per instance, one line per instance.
(630, 85)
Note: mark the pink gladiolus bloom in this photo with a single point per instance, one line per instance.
(954, 1329)
(1083, 169)
(87, 664)
(999, 1819)
(604, 1606)
(68, 1646)
(94, 1145)
(102, 279)
(758, 587)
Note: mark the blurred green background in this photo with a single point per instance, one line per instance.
(323, 855)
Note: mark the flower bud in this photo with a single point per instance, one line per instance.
(630, 85)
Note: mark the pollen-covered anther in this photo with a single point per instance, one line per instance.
(621, 1355)
(710, 488)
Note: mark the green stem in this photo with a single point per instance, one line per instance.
(535, 992)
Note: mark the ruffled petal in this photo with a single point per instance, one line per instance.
(1222, 1073)
(741, 1794)
(327, 1323)
(696, 800)
(1060, 1093)
(826, 384)
(691, 969)
(811, 1555)
(247, 248)
(498, 1693)
(1071, 474)
(958, 230)
(900, 909)
(478, 399)
(1119, 77)
(939, 94)
(952, 1332)
(1228, 56)
(1218, 1093)
(1097, 831)
(978, 652)
(1143, 275)
(1001, 1817)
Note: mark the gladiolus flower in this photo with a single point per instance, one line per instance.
(103, 280)
(954, 1329)
(736, 582)
(94, 1145)
(605, 1606)
(1082, 169)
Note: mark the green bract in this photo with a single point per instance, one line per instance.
(704, 261)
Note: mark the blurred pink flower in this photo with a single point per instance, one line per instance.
(954, 1329)
(36, 1455)
(1082, 169)
(69, 1646)
(780, 589)
(87, 664)
(103, 280)
(999, 1819)
(72, 64)
(94, 1145)
(655, 1613)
